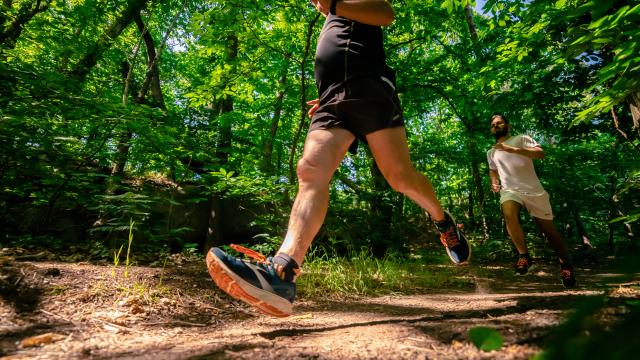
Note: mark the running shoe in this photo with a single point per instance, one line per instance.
(454, 241)
(523, 265)
(255, 283)
(568, 279)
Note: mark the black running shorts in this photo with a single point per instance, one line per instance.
(361, 105)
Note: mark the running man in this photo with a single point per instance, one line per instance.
(358, 102)
(513, 175)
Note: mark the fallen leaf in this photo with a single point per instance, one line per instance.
(302, 317)
(111, 328)
(136, 309)
(43, 339)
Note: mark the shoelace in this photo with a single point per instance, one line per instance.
(450, 237)
(250, 253)
(262, 259)
(522, 262)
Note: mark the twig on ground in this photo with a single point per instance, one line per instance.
(415, 347)
(174, 322)
(120, 327)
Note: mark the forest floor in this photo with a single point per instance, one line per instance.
(57, 310)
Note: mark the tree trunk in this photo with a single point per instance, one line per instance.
(122, 149)
(122, 154)
(7, 4)
(303, 101)
(610, 226)
(477, 188)
(468, 12)
(152, 79)
(382, 214)
(582, 232)
(267, 147)
(223, 148)
(627, 227)
(90, 59)
(224, 134)
(614, 212)
(620, 128)
(473, 149)
(64, 61)
(153, 72)
(214, 235)
(11, 33)
(634, 106)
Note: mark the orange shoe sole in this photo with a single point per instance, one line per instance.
(228, 283)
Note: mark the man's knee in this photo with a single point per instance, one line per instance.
(401, 180)
(309, 171)
(511, 215)
(546, 225)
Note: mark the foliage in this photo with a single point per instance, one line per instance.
(583, 335)
(485, 339)
(224, 99)
(116, 255)
(611, 32)
(360, 274)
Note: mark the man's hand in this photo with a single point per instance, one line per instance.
(322, 6)
(315, 104)
(370, 12)
(495, 180)
(532, 152)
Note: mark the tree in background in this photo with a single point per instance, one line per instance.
(180, 115)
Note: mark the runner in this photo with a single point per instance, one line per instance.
(513, 175)
(358, 102)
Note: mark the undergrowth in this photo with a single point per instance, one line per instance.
(363, 275)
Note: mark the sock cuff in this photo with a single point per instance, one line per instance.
(288, 269)
(445, 224)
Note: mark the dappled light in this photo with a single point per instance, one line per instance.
(415, 179)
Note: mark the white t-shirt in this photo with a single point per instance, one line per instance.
(516, 171)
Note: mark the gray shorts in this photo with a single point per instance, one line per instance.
(538, 205)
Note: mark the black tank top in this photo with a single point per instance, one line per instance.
(348, 49)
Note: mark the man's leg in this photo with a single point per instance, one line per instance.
(511, 212)
(323, 152)
(270, 285)
(556, 240)
(391, 153)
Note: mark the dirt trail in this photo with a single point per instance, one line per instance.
(91, 315)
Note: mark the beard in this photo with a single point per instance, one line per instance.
(501, 132)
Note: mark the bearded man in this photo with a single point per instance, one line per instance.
(514, 177)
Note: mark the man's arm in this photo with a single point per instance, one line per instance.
(495, 180)
(370, 12)
(535, 152)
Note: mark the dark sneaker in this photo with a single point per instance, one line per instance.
(524, 265)
(568, 279)
(257, 284)
(454, 241)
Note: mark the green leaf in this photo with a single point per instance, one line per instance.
(485, 338)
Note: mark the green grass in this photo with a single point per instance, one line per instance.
(361, 275)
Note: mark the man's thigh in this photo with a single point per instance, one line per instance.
(324, 149)
(510, 205)
(389, 148)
